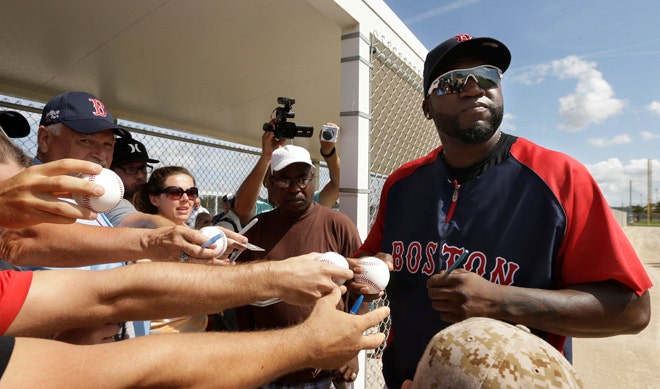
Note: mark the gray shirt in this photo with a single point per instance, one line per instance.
(122, 210)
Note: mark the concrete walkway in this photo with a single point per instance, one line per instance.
(627, 361)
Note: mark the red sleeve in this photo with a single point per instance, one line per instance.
(595, 248)
(14, 287)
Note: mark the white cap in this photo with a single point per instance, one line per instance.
(285, 156)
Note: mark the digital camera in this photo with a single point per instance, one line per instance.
(284, 129)
(329, 133)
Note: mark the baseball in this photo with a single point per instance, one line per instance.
(221, 243)
(374, 273)
(335, 259)
(114, 192)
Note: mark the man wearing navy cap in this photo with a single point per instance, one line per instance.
(538, 242)
(77, 125)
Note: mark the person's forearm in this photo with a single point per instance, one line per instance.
(145, 220)
(248, 193)
(326, 340)
(330, 192)
(210, 360)
(155, 290)
(54, 245)
(143, 291)
(591, 310)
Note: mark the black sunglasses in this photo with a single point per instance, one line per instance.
(175, 192)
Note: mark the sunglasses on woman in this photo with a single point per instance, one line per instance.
(176, 192)
(486, 77)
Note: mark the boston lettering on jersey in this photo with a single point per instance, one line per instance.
(418, 258)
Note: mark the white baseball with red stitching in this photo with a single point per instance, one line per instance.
(220, 244)
(334, 259)
(114, 192)
(375, 273)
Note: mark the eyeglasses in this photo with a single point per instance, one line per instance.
(131, 171)
(302, 183)
(486, 77)
(176, 192)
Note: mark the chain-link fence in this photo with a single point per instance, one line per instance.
(218, 167)
(398, 134)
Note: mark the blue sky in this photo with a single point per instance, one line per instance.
(584, 78)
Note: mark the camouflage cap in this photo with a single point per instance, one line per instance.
(487, 353)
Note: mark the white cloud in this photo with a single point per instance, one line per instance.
(624, 184)
(507, 123)
(615, 140)
(533, 76)
(435, 12)
(593, 100)
(654, 107)
(648, 135)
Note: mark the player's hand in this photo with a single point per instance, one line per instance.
(356, 288)
(334, 337)
(348, 372)
(462, 294)
(302, 280)
(31, 196)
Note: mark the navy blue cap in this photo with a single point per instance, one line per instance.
(14, 124)
(490, 50)
(80, 112)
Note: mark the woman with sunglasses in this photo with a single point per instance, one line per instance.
(170, 192)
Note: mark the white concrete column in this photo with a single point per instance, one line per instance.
(355, 125)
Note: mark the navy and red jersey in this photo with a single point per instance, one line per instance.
(529, 216)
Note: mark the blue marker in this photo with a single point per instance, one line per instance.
(213, 240)
(356, 306)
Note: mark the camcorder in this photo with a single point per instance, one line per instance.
(283, 128)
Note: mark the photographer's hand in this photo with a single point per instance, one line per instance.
(326, 147)
(270, 143)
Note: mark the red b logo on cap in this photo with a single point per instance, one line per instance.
(462, 38)
(99, 108)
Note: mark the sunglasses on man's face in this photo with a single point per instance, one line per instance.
(176, 192)
(486, 77)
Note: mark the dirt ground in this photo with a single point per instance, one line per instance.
(627, 361)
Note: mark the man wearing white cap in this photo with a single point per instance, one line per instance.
(248, 204)
(298, 225)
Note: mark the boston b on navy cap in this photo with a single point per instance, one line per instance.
(492, 51)
(80, 112)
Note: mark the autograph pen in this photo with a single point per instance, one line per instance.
(213, 240)
(458, 262)
(356, 305)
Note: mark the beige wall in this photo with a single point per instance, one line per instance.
(621, 217)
